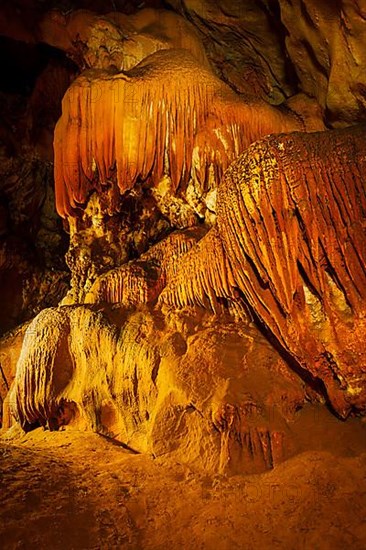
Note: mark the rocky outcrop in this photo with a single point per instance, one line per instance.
(116, 40)
(244, 43)
(159, 136)
(287, 252)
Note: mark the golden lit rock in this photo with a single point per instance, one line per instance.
(142, 125)
(202, 365)
(290, 238)
(128, 374)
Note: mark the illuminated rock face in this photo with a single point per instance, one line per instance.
(160, 134)
(325, 41)
(165, 382)
(242, 44)
(173, 264)
(118, 41)
(164, 385)
(294, 223)
(141, 281)
(291, 230)
(169, 116)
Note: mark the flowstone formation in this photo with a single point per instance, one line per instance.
(152, 137)
(185, 386)
(278, 254)
(168, 116)
(291, 236)
(217, 249)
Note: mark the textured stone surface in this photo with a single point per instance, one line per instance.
(77, 490)
(118, 41)
(291, 236)
(326, 44)
(153, 142)
(169, 116)
(243, 40)
(185, 282)
(32, 272)
(201, 389)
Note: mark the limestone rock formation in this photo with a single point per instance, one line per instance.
(10, 348)
(117, 40)
(325, 41)
(280, 254)
(141, 281)
(216, 232)
(163, 385)
(244, 43)
(33, 274)
(159, 135)
(291, 235)
(167, 116)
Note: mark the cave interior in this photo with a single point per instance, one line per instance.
(183, 274)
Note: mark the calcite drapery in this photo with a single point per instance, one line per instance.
(141, 281)
(288, 246)
(291, 221)
(169, 115)
(150, 112)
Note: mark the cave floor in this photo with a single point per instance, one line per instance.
(77, 490)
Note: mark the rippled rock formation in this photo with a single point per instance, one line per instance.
(291, 236)
(216, 228)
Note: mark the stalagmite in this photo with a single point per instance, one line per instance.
(128, 374)
(182, 274)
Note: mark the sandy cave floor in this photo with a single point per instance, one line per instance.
(78, 490)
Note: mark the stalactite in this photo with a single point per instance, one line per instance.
(291, 237)
(293, 206)
(144, 123)
(258, 446)
(134, 283)
(141, 281)
(203, 275)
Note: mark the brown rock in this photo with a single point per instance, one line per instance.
(244, 43)
(326, 44)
